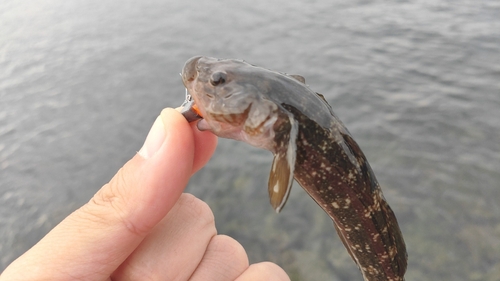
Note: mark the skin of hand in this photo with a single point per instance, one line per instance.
(140, 226)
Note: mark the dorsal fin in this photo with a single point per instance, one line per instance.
(299, 78)
(323, 98)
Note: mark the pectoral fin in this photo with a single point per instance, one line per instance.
(281, 175)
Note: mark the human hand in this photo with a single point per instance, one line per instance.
(140, 226)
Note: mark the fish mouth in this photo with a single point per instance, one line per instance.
(189, 109)
(189, 73)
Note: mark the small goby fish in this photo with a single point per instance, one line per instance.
(279, 112)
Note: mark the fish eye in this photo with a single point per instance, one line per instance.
(218, 78)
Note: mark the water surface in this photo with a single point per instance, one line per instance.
(416, 82)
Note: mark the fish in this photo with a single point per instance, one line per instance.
(280, 113)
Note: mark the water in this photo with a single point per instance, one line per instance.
(416, 82)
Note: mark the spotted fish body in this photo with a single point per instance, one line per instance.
(278, 112)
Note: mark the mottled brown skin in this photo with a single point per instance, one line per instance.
(329, 164)
(352, 198)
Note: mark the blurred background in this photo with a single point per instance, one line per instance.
(416, 82)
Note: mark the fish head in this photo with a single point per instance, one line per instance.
(231, 99)
(241, 101)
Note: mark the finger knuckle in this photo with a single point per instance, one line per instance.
(229, 247)
(197, 209)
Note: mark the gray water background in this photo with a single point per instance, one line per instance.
(416, 82)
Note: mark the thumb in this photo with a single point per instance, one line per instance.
(94, 240)
(147, 187)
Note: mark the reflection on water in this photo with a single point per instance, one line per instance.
(416, 83)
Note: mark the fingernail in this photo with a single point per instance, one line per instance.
(154, 140)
